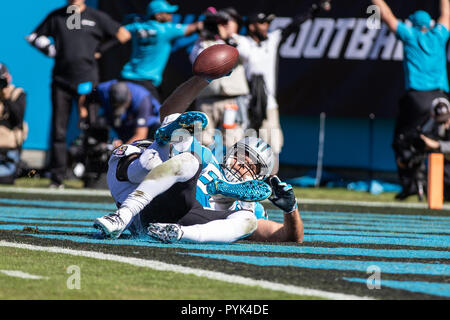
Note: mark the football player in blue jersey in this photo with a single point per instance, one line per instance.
(155, 187)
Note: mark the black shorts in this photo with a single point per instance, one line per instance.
(179, 205)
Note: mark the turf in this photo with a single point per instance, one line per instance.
(112, 280)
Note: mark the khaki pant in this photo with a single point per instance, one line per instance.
(214, 109)
(271, 132)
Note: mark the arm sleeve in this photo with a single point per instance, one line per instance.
(139, 168)
(108, 26)
(404, 33)
(175, 30)
(441, 32)
(445, 146)
(144, 112)
(16, 109)
(295, 24)
(243, 47)
(39, 37)
(45, 28)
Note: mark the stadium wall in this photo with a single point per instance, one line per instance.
(343, 69)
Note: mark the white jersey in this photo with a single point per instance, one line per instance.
(261, 59)
(210, 170)
(120, 189)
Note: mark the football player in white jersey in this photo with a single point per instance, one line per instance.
(149, 187)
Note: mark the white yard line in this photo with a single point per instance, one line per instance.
(80, 192)
(20, 274)
(157, 265)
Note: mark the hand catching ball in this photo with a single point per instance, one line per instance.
(215, 61)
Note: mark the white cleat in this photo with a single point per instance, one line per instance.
(165, 232)
(111, 225)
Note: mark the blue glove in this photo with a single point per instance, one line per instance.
(283, 195)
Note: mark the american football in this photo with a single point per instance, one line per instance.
(216, 61)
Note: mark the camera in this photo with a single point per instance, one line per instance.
(3, 82)
(412, 149)
(90, 153)
(211, 22)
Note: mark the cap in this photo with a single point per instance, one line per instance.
(119, 97)
(441, 109)
(216, 16)
(232, 12)
(420, 19)
(260, 18)
(158, 6)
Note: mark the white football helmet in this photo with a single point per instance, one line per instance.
(249, 158)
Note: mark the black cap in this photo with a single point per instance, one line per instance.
(232, 12)
(441, 110)
(119, 97)
(3, 69)
(260, 17)
(216, 17)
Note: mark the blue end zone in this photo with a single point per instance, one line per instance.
(339, 240)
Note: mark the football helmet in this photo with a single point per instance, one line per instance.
(249, 158)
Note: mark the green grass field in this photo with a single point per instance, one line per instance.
(110, 280)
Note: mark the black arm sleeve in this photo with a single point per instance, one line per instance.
(298, 20)
(109, 44)
(16, 110)
(122, 166)
(39, 38)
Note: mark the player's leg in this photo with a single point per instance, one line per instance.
(180, 168)
(203, 225)
(173, 122)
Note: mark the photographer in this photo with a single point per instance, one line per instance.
(12, 128)
(439, 141)
(129, 109)
(426, 78)
(126, 108)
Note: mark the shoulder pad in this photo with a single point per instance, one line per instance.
(125, 150)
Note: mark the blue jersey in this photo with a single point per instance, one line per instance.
(143, 110)
(151, 46)
(211, 170)
(425, 57)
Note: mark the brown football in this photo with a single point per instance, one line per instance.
(215, 61)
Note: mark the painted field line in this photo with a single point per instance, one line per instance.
(20, 274)
(79, 192)
(161, 266)
(103, 192)
(369, 203)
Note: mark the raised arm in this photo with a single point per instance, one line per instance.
(183, 96)
(444, 19)
(386, 15)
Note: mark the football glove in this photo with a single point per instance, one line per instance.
(283, 195)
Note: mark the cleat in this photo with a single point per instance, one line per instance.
(186, 121)
(111, 225)
(165, 232)
(252, 190)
